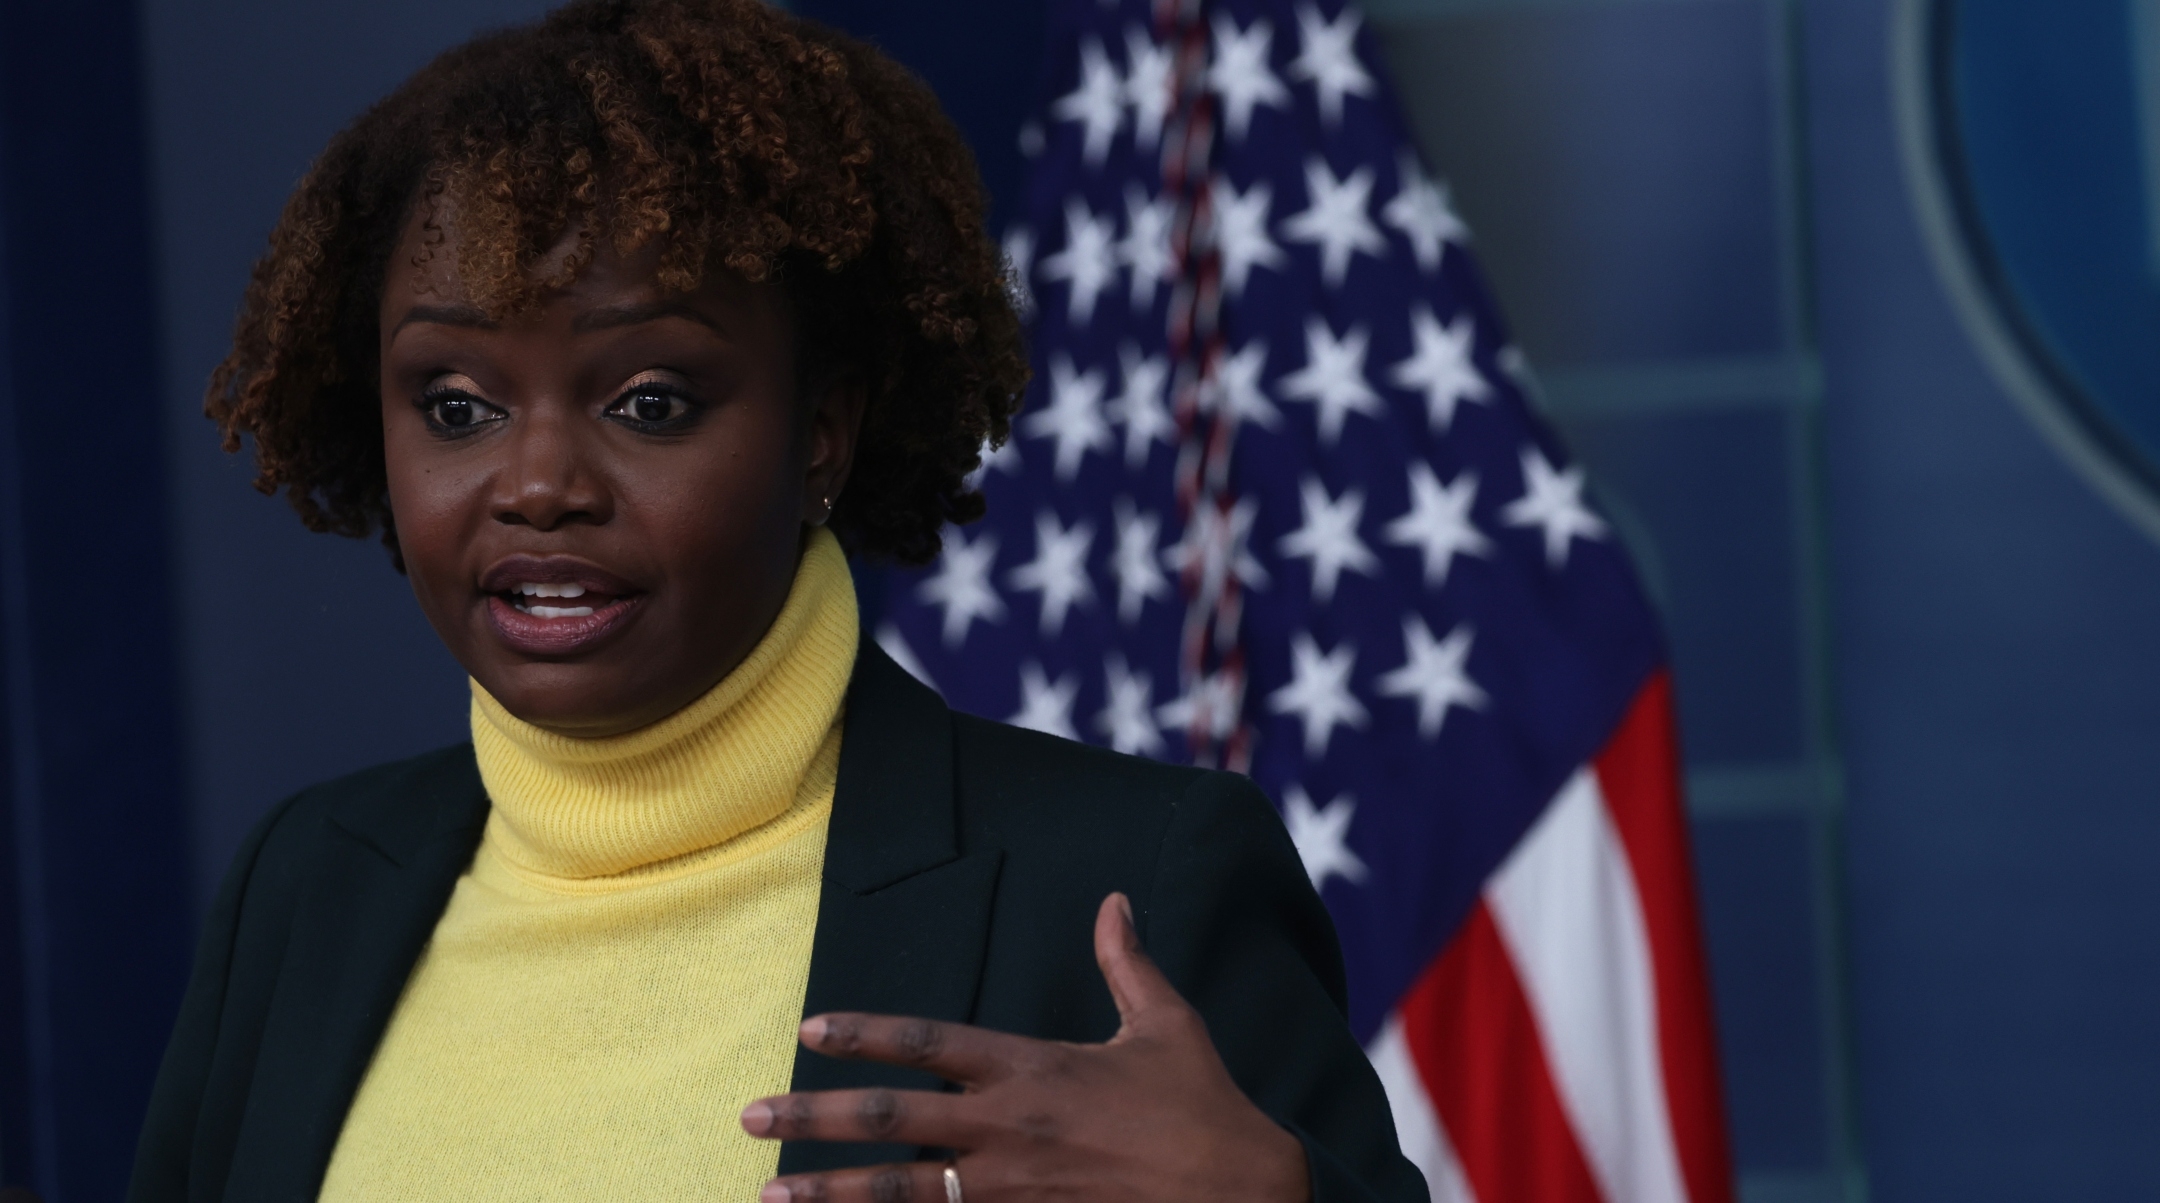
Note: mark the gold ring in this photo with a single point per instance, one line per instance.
(952, 1184)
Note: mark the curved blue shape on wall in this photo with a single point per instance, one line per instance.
(2033, 139)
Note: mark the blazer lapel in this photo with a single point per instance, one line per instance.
(904, 917)
(391, 858)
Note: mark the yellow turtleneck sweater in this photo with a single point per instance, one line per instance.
(622, 968)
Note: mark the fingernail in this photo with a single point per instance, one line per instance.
(774, 1192)
(813, 1030)
(1125, 904)
(757, 1120)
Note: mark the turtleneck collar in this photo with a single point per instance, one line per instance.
(728, 762)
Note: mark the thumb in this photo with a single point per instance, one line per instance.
(1136, 985)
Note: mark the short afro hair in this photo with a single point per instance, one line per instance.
(734, 136)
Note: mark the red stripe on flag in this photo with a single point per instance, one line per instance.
(1639, 774)
(1476, 1045)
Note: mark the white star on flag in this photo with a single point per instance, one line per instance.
(1235, 389)
(1019, 248)
(1319, 692)
(1552, 501)
(1319, 834)
(1516, 367)
(1438, 522)
(1005, 457)
(1046, 706)
(1420, 210)
(1240, 75)
(962, 584)
(1333, 378)
(1145, 249)
(1134, 563)
(1059, 569)
(1141, 407)
(1210, 708)
(1098, 104)
(1148, 83)
(1241, 233)
(1441, 366)
(1329, 537)
(1327, 58)
(1335, 219)
(1074, 417)
(1088, 262)
(1432, 672)
(1128, 712)
(1214, 549)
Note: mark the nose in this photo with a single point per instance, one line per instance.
(549, 480)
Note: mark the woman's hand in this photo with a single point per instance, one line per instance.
(1150, 1115)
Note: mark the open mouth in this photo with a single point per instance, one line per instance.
(556, 606)
(557, 601)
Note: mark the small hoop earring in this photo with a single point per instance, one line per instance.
(827, 515)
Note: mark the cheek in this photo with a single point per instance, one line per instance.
(729, 514)
(432, 500)
(717, 509)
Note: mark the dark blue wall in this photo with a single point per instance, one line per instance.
(1999, 687)
(91, 888)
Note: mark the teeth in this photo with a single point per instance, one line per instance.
(534, 589)
(559, 611)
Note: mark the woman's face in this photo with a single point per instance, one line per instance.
(601, 502)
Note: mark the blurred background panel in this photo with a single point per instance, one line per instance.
(1915, 650)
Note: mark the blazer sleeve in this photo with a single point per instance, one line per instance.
(164, 1155)
(1236, 926)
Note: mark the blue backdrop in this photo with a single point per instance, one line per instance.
(93, 912)
(1915, 650)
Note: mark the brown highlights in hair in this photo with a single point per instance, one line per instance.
(731, 136)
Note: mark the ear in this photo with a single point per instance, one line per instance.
(835, 426)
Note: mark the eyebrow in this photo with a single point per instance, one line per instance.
(446, 315)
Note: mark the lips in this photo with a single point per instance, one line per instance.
(556, 605)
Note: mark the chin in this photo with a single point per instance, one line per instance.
(583, 700)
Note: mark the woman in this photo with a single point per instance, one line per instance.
(618, 328)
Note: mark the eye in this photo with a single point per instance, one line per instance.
(652, 405)
(454, 410)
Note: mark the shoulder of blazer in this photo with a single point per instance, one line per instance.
(1077, 804)
(953, 775)
(1018, 788)
(1031, 768)
(395, 808)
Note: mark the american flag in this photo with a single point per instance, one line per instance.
(1277, 503)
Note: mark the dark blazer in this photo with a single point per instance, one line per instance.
(963, 868)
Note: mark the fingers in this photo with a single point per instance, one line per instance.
(953, 1051)
(915, 1117)
(1136, 985)
(914, 1182)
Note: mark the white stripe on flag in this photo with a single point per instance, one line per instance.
(1417, 1125)
(1566, 906)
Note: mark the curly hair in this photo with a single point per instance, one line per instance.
(729, 135)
